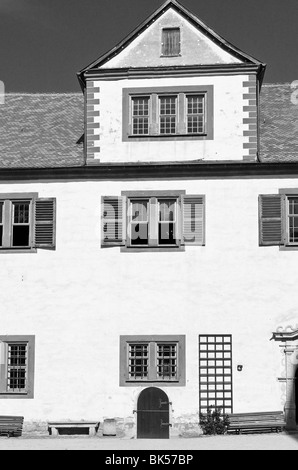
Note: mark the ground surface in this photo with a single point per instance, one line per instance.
(282, 441)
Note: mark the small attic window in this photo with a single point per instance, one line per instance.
(170, 42)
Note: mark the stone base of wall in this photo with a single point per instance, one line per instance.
(183, 426)
(38, 428)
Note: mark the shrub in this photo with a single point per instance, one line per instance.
(214, 422)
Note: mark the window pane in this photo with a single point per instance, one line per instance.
(138, 361)
(195, 104)
(139, 226)
(167, 222)
(167, 361)
(21, 227)
(166, 234)
(170, 41)
(168, 105)
(293, 206)
(139, 211)
(21, 212)
(140, 106)
(167, 210)
(20, 235)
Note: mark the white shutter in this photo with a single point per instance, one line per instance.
(113, 220)
(193, 220)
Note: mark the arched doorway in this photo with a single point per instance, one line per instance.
(153, 414)
(296, 394)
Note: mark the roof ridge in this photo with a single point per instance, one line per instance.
(276, 84)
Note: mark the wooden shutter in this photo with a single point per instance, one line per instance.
(171, 41)
(270, 219)
(113, 221)
(193, 220)
(45, 223)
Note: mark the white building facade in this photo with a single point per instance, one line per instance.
(158, 277)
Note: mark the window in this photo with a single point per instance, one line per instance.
(145, 230)
(215, 365)
(195, 114)
(156, 220)
(170, 42)
(168, 112)
(278, 219)
(26, 222)
(152, 359)
(292, 219)
(16, 366)
(140, 115)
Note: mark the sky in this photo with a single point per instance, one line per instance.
(44, 43)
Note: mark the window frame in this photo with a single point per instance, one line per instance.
(153, 218)
(155, 94)
(152, 341)
(5, 341)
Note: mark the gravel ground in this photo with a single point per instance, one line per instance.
(281, 441)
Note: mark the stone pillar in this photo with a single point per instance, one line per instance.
(109, 427)
(290, 405)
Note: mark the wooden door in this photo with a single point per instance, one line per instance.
(153, 414)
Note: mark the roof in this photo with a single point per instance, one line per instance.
(193, 19)
(278, 124)
(42, 130)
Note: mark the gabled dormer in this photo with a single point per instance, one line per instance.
(172, 90)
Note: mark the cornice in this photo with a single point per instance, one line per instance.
(156, 171)
(174, 71)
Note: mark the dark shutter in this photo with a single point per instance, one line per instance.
(45, 223)
(171, 41)
(193, 220)
(113, 221)
(270, 219)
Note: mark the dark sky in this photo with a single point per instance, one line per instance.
(45, 42)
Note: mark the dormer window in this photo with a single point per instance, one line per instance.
(165, 113)
(170, 42)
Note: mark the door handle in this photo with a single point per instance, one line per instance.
(161, 403)
(165, 424)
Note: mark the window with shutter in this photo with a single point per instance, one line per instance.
(278, 219)
(26, 222)
(153, 220)
(17, 366)
(171, 42)
(152, 359)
